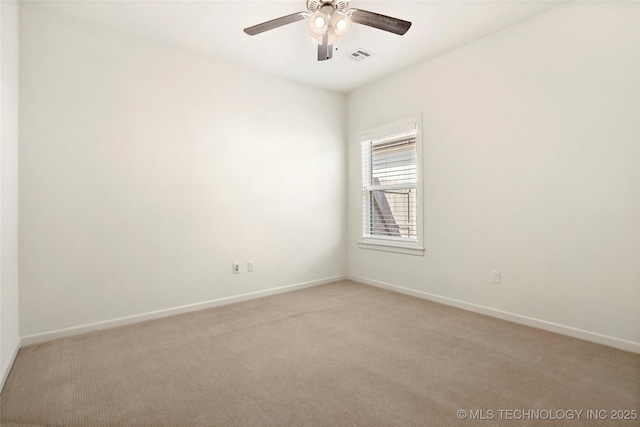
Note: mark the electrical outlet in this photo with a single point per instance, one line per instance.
(496, 277)
(250, 266)
(236, 268)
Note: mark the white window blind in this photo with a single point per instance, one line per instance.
(390, 186)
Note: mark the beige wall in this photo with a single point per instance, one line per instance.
(145, 171)
(531, 167)
(143, 175)
(9, 339)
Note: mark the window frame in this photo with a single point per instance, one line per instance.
(391, 244)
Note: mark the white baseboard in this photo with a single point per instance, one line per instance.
(5, 374)
(78, 330)
(512, 317)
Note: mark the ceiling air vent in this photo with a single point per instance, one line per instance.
(359, 55)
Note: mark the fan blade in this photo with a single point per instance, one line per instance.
(325, 50)
(381, 22)
(275, 23)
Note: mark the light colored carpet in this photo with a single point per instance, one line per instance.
(342, 354)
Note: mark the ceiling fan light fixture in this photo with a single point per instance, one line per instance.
(341, 24)
(319, 23)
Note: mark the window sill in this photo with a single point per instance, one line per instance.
(391, 247)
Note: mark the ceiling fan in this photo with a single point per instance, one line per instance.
(329, 22)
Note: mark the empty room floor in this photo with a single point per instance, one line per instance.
(342, 354)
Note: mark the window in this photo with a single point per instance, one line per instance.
(391, 163)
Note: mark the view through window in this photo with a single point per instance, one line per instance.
(390, 186)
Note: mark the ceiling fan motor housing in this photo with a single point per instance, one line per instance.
(338, 5)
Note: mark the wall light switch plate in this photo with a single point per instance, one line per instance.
(496, 277)
(250, 266)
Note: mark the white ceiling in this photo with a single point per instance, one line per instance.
(215, 28)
